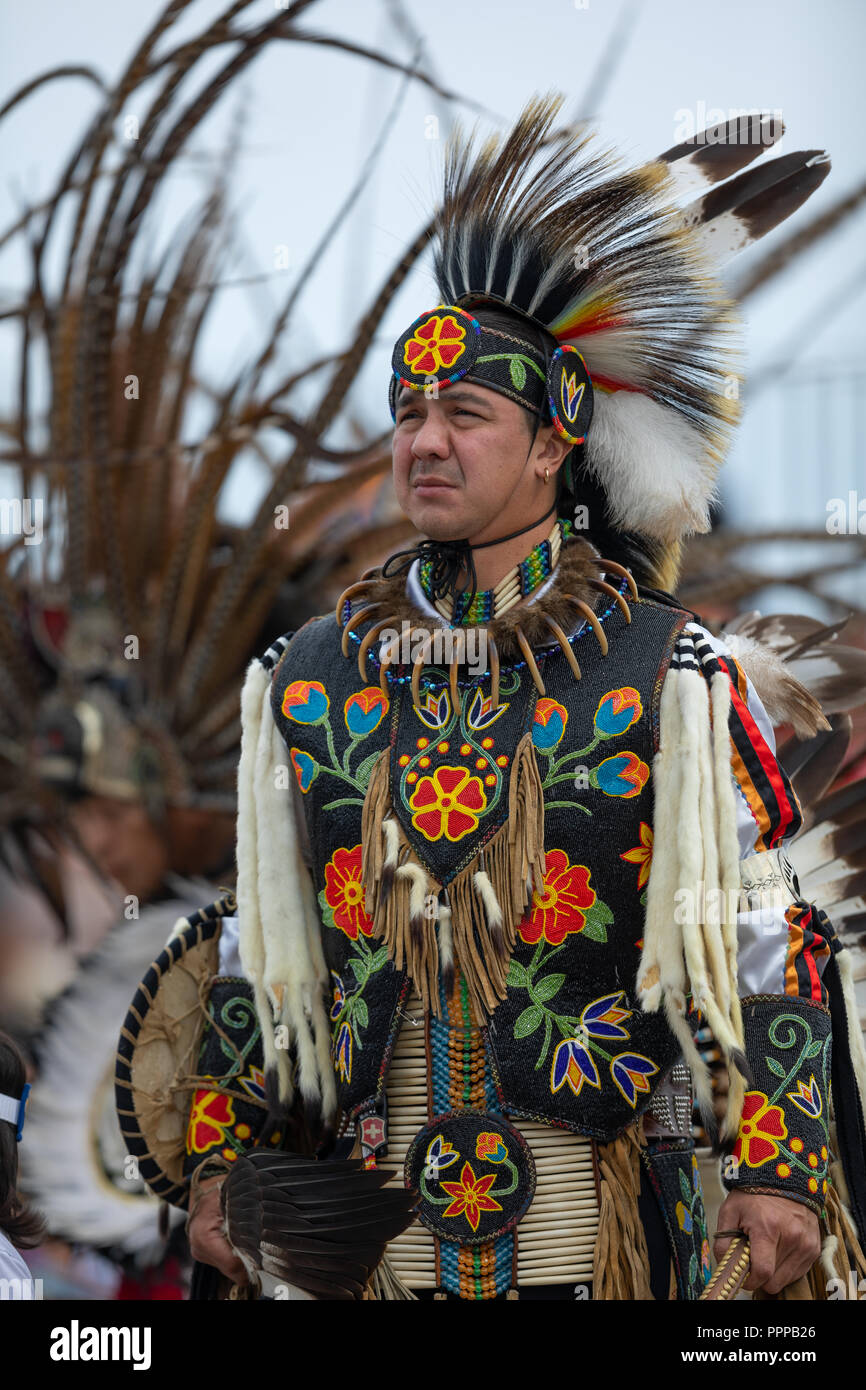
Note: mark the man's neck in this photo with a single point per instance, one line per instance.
(493, 563)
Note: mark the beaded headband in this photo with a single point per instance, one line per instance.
(447, 344)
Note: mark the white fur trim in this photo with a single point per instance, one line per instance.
(280, 933)
(446, 938)
(856, 1046)
(829, 1246)
(485, 890)
(689, 946)
(656, 470)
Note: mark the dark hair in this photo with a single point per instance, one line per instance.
(643, 556)
(24, 1227)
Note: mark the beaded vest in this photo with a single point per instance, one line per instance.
(567, 1044)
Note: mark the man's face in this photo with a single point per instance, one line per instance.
(123, 841)
(461, 460)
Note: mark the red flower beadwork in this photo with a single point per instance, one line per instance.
(344, 893)
(436, 344)
(448, 803)
(210, 1116)
(562, 907)
(470, 1196)
(761, 1126)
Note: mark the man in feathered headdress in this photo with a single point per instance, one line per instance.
(479, 935)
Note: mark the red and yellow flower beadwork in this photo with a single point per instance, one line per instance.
(435, 345)
(344, 893)
(761, 1126)
(641, 854)
(470, 1196)
(449, 803)
(211, 1116)
(561, 907)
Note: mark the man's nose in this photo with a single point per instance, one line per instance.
(431, 437)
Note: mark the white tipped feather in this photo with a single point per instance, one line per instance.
(784, 697)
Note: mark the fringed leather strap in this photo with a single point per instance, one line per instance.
(620, 1268)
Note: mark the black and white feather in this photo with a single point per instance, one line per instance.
(311, 1230)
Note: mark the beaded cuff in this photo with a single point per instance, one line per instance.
(228, 1108)
(783, 1141)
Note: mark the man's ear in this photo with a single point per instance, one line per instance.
(550, 446)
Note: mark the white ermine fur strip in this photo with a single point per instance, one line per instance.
(485, 890)
(279, 942)
(392, 851)
(417, 891)
(662, 968)
(662, 979)
(829, 1247)
(726, 823)
(856, 1045)
(292, 980)
(254, 696)
(446, 947)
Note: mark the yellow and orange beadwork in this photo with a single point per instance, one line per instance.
(476, 1264)
(466, 1057)
(476, 1267)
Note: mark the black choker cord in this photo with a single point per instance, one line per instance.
(448, 558)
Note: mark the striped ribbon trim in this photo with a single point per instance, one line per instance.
(763, 783)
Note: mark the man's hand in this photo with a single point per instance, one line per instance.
(784, 1237)
(207, 1242)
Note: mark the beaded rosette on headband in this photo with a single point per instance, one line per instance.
(447, 344)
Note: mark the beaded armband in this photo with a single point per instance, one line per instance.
(782, 1146)
(228, 1107)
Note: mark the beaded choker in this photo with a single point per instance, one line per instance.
(515, 585)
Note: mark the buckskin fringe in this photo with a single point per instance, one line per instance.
(620, 1264)
(487, 899)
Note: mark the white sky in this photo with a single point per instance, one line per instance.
(312, 114)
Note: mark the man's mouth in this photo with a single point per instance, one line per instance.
(431, 484)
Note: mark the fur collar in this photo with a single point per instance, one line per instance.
(578, 575)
